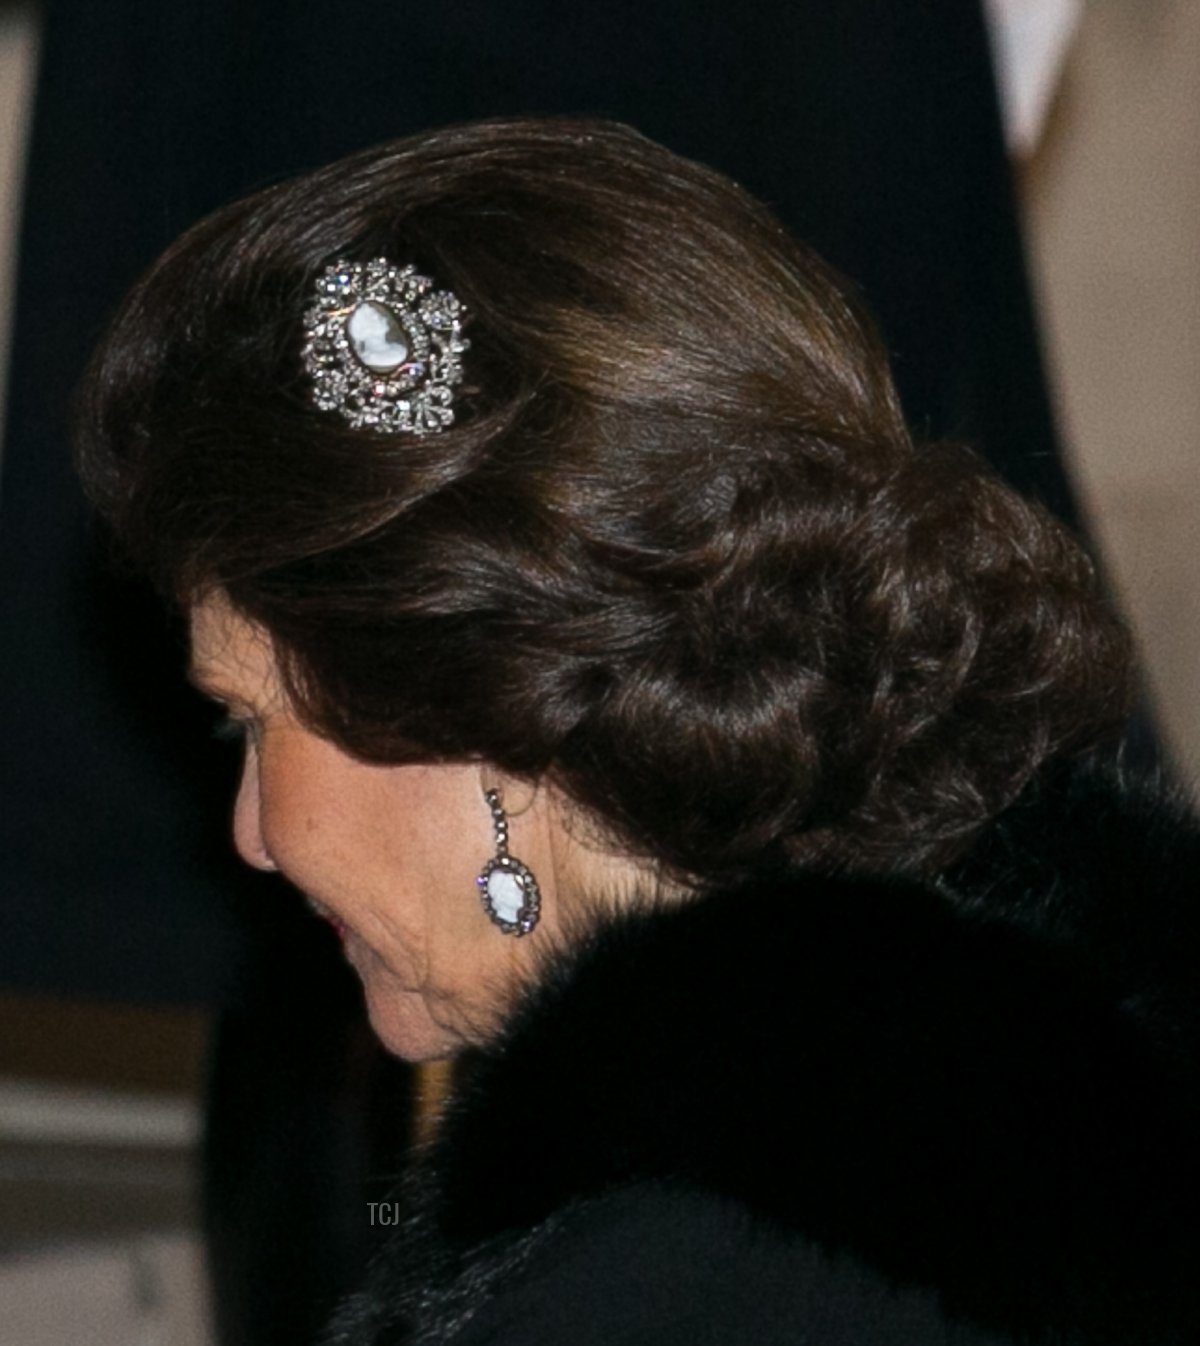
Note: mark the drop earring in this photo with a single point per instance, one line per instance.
(508, 889)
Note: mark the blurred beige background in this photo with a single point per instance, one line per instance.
(99, 1106)
(1113, 223)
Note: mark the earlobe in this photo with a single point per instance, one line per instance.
(517, 792)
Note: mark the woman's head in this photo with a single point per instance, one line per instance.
(391, 855)
(677, 556)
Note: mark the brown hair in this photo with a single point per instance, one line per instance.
(678, 553)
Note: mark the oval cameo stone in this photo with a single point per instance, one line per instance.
(377, 336)
(505, 894)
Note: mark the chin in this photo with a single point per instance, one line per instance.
(402, 1023)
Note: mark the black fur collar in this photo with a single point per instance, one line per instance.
(989, 1088)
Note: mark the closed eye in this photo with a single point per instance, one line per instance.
(230, 730)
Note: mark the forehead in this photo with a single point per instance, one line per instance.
(231, 657)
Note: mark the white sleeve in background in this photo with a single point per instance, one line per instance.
(1030, 40)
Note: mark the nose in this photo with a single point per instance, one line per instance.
(247, 816)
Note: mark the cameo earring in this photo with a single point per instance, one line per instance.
(507, 887)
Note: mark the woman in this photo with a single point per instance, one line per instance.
(663, 730)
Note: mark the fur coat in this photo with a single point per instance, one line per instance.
(822, 1109)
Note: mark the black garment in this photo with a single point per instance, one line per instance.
(842, 1110)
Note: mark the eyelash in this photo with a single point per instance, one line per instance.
(230, 730)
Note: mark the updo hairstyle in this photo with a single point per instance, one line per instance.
(678, 553)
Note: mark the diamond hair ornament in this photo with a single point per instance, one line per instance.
(383, 347)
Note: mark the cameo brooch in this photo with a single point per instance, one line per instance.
(383, 347)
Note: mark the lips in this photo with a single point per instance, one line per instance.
(327, 916)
